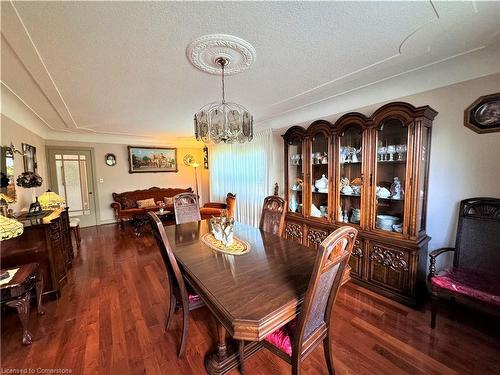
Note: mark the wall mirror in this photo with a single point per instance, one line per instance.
(29, 158)
(8, 183)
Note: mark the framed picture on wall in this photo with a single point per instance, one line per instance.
(29, 158)
(483, 116)
(152, 159)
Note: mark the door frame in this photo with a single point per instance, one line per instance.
(92, 164)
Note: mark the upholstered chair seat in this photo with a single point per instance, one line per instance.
(194, 298)
(469, 284)
(282, 338)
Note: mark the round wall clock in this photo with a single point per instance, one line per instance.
(188, 159)
(110, 160)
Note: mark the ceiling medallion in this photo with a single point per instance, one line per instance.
(222, 121)
(204, 52)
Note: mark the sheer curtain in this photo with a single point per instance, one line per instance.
(243, 169)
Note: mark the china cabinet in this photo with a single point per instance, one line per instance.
(370, 173)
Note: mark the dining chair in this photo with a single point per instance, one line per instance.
(298, 338)
(179, 288)
(272, 219)
(186, 208)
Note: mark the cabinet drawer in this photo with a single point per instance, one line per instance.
(389, 266)
(294, 231)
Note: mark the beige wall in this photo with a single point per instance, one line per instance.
(15, 133)
(117, 179)
(463, 164)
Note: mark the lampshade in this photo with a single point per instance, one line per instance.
(49, 199)
(10, 228)
(6, 198)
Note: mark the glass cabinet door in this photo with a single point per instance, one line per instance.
(319, 176)
(295, 176)
(392, 146)
(350, 175)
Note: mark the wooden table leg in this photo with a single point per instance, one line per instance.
(227, 355)
(221, 345)
(39, 291)
(23, 310)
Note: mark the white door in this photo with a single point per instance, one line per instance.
(71, 176)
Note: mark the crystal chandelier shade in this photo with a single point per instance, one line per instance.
(223, 121)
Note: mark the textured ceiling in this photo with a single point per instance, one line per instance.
(121, 67)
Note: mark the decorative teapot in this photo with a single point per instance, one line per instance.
(321, 184)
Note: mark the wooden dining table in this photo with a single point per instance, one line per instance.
(250, 295)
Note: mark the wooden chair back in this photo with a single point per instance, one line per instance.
(477, 245)
(186, 208)
(272, 219)
(231, 204)
(332, 258)
(173, 271)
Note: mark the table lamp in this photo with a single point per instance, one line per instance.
(50, 200)
(4, 203)
(10, 228)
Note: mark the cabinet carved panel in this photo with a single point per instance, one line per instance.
(357, 258)
(389, 266)
(389, 258)
(294, 232)
(315, 237)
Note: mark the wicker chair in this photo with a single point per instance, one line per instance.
(178, 288)
(186, 208)
(298, 338)
(272, 219)
(474, 278)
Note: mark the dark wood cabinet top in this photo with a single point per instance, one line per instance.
(45, 217)
(254, 293)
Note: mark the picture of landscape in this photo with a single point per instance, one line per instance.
(152, 159)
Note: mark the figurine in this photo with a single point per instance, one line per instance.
(276, 189)
(396, 189)
(345, 188)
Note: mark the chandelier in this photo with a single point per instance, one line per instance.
(223, 121)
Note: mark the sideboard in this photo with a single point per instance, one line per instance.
(370, 173)
(46, 240)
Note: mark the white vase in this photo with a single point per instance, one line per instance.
(293, 203)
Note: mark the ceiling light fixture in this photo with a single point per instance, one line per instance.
(225, 121)
(222, 121)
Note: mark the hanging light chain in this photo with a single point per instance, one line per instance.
(222, 62)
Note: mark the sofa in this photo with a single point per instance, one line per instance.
(125, 205)
(214, 209)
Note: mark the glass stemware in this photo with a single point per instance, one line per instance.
(391, 150)
(399, 150)
(382, 152)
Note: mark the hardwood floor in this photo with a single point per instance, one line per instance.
(110, 320)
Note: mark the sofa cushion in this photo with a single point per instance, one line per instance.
(282, 338)
(143, 203)
(469, 284)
